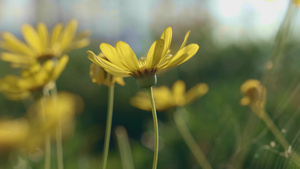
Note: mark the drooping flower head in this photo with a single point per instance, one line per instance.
(166, 98)
(35, 78)
(100, 76)
(255, 95)
(40, 44)
(121, 60)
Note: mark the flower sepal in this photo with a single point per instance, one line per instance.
(147, 80)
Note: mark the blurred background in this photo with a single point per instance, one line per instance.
(236, 39)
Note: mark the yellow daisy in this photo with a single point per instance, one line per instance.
(33, 79)
(100, 76)
(40, 44)
(61, 108)
(255, 94)
(166, 98)
(121, 60)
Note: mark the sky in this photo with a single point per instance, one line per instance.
(131, 19)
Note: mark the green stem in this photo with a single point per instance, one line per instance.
(124, 146)
(155, 123)
(59, 144)
(190, 141)
(108, 125)
(281, 139)
(46, 94)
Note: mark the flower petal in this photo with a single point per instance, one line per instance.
(167, 37)
(185, 40)
(178, 90)
(154, 55)
(13, 44)
(112, 55)
(32, 37)
(182, 55)
(68, 34)
(43, 34)
(56, 33)
(109, 67)
(124, 51)
(197, 91)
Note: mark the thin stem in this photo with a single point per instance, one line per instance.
(155, 123)
(59, 144)
(47, 137)
(124, 146)
(190, 141)
(281, 139)
(108, 125)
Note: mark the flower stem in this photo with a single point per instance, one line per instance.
(46, 94)
(155, 123)
(189, 140)
(108, 125)
(124, 146)
(282, 141)
(59, 145)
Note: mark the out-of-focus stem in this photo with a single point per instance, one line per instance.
(281, 139)
(108, 125)
(189, 140)
(47, 137)
(155, 124)
(124, 146)
(59, 144)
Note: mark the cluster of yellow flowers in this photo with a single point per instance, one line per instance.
(41, 58)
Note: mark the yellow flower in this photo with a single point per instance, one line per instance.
(121, 60)
(13, 134)
(34, 78)
(166, 98)
(40, 44)
(100, 76)
(255, 94)
(46, 114)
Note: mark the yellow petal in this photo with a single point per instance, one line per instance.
(167, 37)
(43, 34)
(13, 44)
(183, 55)
(185, 40)
(17, 59)
(124, 51)
(32, 37)
(56, 33)
(59, 67)
(197, 91)
(245, 101)
(97, 74)
(68, 34)
(109, 67)
(154, 54)
(112, 55)
(77, 44)
(178, 93)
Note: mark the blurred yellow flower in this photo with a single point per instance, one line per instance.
(13, 134)
(47, 113)
(121, 60)
(100, 76)
(40, 44)
(255, 94)
(34, 78)
(166, 98)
